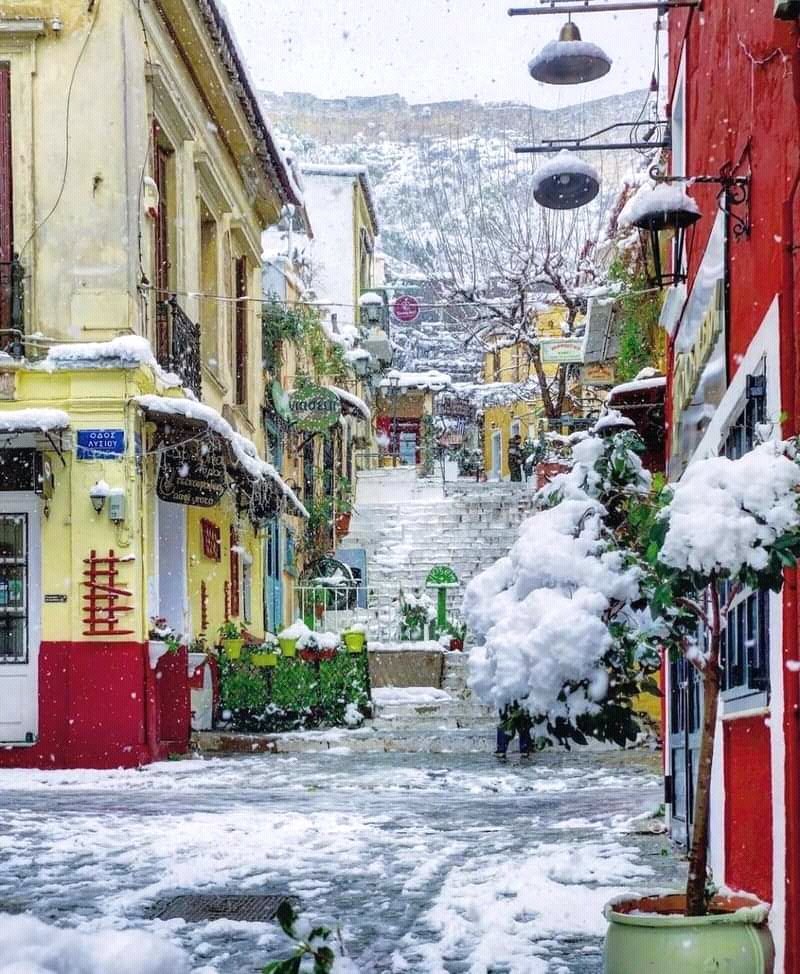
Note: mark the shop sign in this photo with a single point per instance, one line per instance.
(108, 444)
(699, 375)
(598, 374)
(314, 409)
(561, 351)
(406, 309)
(192, 474)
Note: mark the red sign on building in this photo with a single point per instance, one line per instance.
(406, 308)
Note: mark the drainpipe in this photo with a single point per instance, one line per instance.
(790, 375)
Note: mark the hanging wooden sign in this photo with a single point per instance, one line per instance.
(192, 474)
(314, 409)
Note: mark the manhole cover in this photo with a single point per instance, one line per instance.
(194, 907)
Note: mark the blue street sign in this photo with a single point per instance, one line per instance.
(100, 444)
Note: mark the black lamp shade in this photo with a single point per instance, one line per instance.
(566, 190)
(569, 60)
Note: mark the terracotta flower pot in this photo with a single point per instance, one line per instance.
(652, 934)
(316, 655)
(343, 524)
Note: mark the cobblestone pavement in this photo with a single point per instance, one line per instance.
(431, 863)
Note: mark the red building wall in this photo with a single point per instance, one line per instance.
(743, 108)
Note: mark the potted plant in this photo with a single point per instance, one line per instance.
(231, 639)
(343, 506)
(457, 634)
(697, 566)
(416, 614)
(317, 647)
(287, 638)
(355, 638)
(266, 655)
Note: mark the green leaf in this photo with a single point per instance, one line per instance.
(287, 917)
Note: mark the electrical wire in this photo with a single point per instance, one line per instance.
(96, 7)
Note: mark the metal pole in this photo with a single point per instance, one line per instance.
(585, 8)
(395, 436)
(585, 147)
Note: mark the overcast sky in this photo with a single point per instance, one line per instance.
(428, 50)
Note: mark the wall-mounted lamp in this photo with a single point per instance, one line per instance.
(654, 210)
(98, 495)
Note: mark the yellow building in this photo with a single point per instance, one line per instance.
(137, 174)
(509, 412)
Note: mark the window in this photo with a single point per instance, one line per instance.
(13, 588)
(209, 284)
(247, 586)
(745, 640)
(163, 175)
(6, 212)
(234, 572)
(240, 332)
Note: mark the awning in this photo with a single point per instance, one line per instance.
(243, 454)
(351, 403)
(33, 421)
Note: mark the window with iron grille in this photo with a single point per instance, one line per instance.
(745, 639)
(240, 336)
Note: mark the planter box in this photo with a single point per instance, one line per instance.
(316, 655)
(263, 660)
(406, 668)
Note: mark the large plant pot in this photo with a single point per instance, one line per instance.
(354, 641)
(233, 648)
(288, 648)
(343, 524)
(651, 935)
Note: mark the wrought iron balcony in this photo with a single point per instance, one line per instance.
(178, 344)
(12, 306)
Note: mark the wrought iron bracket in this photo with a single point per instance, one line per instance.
(733, 197)
(648, 127)
(585, 7)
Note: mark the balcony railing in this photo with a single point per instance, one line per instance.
(178, 344)
(12, 306)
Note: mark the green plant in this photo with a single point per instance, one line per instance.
(638, 310)
(229, 630)
(344, 496)
(316, 950)
(243, 691)
(162, 631)
(416, 612)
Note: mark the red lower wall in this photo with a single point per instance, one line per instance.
(101, 706)
(748, 806)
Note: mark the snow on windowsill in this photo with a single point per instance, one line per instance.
(127, 351)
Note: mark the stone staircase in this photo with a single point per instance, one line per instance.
(406, 526)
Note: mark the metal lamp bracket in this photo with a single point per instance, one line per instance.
(733, 197)
(644, 134)
(588, 7)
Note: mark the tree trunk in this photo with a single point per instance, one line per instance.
(698, 856)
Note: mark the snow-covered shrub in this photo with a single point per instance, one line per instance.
(562, 638)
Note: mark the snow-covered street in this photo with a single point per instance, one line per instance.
(430, 863)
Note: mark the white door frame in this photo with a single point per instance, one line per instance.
(172, 566)
(497, 455)
(19, 682)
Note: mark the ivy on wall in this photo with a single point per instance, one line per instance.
(641, 339)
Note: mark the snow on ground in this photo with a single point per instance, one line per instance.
(392, 695)
(430, 863)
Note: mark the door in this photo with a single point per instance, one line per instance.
(497, 455)
(173, 599)
(273, 578)
(686, 708)
(408, 448)
(20, 617)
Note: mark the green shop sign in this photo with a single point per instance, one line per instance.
(314, 409)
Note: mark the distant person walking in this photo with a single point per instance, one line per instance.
(515, 458)
(514, 720)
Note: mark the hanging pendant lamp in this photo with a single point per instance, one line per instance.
(569, 60)
(565, 183)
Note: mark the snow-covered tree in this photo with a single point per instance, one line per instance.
(563, 637)
(501, 257)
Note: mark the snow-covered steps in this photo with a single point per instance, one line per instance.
(364, 740)
(426, 708)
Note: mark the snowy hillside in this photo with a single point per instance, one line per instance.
(406, 146)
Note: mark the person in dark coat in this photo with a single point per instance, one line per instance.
(514, 720)
(515, 458)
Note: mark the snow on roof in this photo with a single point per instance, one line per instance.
(267, 151)
(127, 351)
(33, 420)
(557, 50)
(243, 449)
(352, 400)
(612, 420)
(564, 162)
(353, 171)
(433, 380)
(637, 385)
(649, 201)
